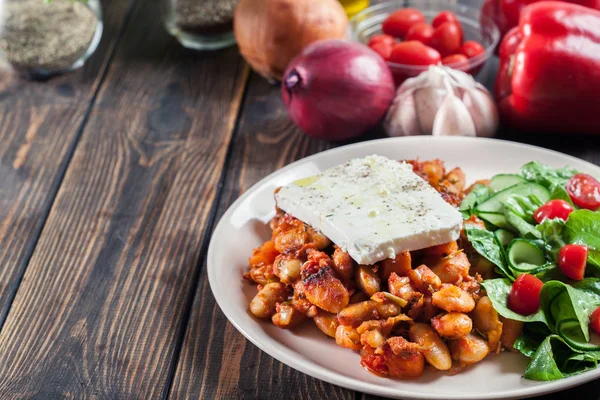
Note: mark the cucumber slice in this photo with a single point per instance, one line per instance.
(504, 237)
(495, 204)
(496, 219)
(525, 257)
(478, 194)
(503, 181)
(570, 331)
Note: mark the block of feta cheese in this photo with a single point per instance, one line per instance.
(373, 208)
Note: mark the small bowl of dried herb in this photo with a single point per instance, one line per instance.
(42, 38)
(200, 24)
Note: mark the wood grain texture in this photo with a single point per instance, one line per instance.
(216, 361)
(100, 310)
(39, 125)
(586, 147)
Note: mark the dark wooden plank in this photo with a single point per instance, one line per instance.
(216, 361)
(101, 307)
(39, 126)
(584, 147)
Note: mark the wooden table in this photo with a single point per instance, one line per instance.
(111, 181)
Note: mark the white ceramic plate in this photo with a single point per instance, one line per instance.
(244, 227)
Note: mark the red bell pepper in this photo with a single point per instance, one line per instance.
(549, 76)
(505, 13)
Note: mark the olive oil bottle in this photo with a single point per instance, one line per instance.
(354, 6)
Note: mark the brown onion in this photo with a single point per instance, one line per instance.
(270, 33)
(335, 90)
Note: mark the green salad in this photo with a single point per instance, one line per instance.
(524, 239)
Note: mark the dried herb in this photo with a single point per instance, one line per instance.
(204, 17)
(51, 36)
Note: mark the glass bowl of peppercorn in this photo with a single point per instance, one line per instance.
(39, 39)
(201, 24)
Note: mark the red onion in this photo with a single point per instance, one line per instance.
(336, 90)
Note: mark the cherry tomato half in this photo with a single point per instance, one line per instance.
(399, 22)
(421, 32)
(456, 59)
(444, 16)
(584, 190)
(553, 209)
(524, 295)
(595, 320)
(572, 259)
(414, 53)
(383, 49)
(447, 39)
(471, 49)
(387, 39)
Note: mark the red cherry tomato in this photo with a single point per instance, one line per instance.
(387, 39)
(553, 209)
(421, 32)
(595, 320)
(524, 295)
(457, 59)
(471, 49)
(399, 22)
(584, 190)
(446, 39)
(447, 16)
(444, 16)
(414, 53)
(572, 259)
(383, 49)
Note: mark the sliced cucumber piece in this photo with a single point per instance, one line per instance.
(525, 257)
(504, 237)
(495, 204)
(570, 331)
(478, 194)
(503, 181)
(496, 219)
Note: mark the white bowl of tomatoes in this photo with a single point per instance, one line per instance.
(413, 34)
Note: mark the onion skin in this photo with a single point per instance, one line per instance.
(336, 90)
(270, 33)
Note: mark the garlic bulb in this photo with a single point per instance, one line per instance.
(442, 101)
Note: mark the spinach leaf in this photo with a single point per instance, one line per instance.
(485, 243)
(583, 227)
(554, 274)
(555, 359)
(528, 344)
(560, 193)
(562, 302)
(498, 291)
(518, 211)
(523, 206)
(586, 356)
(543, 364)
(478, 195)
(545, 175)
(551, 237)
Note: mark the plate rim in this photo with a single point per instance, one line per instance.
(322, 373)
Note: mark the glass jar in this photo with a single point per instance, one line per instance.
(201, 24)
(40, 38)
